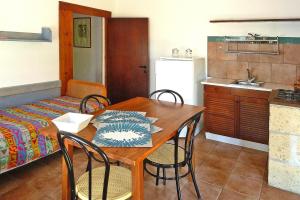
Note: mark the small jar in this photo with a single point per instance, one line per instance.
(188, 53)
(175, 53)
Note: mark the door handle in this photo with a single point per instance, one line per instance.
(143, 66)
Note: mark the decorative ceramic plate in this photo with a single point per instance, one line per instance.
(124, 134)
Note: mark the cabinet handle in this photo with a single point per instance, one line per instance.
(143, 66)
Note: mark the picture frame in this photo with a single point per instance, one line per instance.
(82, 32)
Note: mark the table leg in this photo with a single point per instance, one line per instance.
(66, 193)
(137, 172)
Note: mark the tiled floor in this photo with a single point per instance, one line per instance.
(223, 172)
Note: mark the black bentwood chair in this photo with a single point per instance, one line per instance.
(107, 182)
(176, 95)
(101, 100)
(102, 103)
(174, 156)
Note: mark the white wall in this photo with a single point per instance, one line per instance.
(173, 23)
(33, 62)
(185, 24)
(87, 62)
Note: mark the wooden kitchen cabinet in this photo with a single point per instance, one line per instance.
(253, 119)
(220, 111)
(238, 113)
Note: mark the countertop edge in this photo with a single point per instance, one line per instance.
(236, 86)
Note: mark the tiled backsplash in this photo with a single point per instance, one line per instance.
(283, 68)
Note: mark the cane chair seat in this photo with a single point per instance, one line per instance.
(164, 155)
(119, 184)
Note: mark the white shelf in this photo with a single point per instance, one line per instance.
(44, 36)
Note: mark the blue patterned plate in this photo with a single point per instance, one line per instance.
(124, 134)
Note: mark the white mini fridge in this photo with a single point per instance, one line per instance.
(182, 75)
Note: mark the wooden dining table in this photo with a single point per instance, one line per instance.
(170, 117)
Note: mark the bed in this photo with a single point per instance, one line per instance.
(20, 139)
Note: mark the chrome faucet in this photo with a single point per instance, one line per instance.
(251, 77)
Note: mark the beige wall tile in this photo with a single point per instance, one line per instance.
(284, 147)
(284, 73)
(291, 53)
(216, 69)
(232, 46)
(248, 57)
(212, 50)
(284, 176)
(276, 59)
(269, 47)
(262, 71)
(222, 54)
(284, 119)
(236, 70)
(298, 73)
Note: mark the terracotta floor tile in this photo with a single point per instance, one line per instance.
(231, 195)
(199, 158)
(205, 147)
(271, 193)
(246, 186)
(253, 158)
(25, 192)
(8, 182)
(226, 151)
(212, 175)
(207, 191)
(249, 171)
(219, 162)
(215, 164)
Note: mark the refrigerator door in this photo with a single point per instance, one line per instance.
(175, 75)
(183, 76)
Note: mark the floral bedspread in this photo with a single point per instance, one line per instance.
(20, 141)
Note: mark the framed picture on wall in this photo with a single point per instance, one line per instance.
(82, 32)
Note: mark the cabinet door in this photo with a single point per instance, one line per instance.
(219, 125)
(219, 114)
(254, 119)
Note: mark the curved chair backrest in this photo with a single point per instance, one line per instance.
(190, 125)
(101, 100)
(175, 95)
(87, 147)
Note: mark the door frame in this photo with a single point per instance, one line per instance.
(66, 11)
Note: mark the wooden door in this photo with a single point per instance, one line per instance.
(127, 58)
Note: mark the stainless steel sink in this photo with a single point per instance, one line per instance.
(248, 83)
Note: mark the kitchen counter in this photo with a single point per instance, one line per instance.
(228, 83)
(274, 100)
